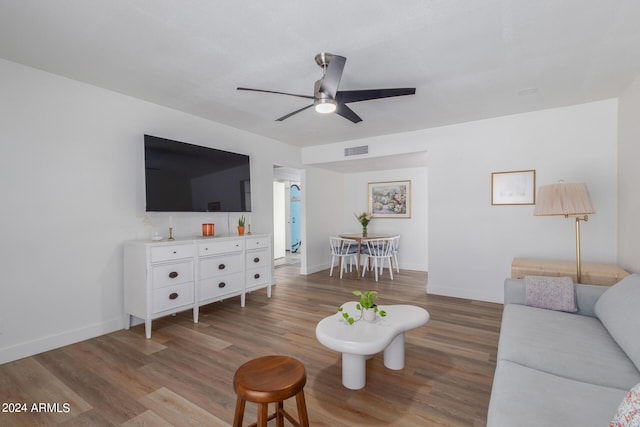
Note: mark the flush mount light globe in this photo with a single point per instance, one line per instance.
(325, 105)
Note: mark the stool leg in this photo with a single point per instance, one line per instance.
(263, 414)
(302, 409)
(237, 418)
(279, 417)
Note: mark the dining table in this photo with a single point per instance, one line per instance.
(359, 238)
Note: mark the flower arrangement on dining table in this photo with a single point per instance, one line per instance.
(364, 219)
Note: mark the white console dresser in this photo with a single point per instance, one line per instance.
(162, 278)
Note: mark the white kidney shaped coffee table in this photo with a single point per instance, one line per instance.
(364, 338)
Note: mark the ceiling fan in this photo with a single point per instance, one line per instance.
(326, 96)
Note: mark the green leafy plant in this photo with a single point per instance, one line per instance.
(241, 221)
(366, 302)
(364, 218)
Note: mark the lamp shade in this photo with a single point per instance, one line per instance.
(567, 199)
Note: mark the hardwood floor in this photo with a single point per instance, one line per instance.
(183, 375)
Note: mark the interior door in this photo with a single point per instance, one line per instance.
(294, 218)
(279, 221)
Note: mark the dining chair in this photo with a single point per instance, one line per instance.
(395, 241)
(341, 250)
(376, 252)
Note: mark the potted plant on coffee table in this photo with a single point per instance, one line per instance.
(366, 305)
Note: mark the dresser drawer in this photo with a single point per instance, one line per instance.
(171, 274)
(172, 297)
(171, 252)
(257, 259)
(258, 242)
(220, 247)
(220, 265)
(258, 276)
(215, 287)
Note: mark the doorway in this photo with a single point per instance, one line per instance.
(287, 194)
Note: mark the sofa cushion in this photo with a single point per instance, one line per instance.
(628, 414)
(619, 311)
(564, 344)
(526, 397)
(553, 293)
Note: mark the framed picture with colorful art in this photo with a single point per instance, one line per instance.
(390, 199)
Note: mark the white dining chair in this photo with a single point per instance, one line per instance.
(343, 250)
(395, 242)
(376, 252)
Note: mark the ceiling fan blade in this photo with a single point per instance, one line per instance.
(368, 94)
(331, 79)
(295, 112)
(279, 93)
(347, 113)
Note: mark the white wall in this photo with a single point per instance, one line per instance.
(629, 178)
(413, 253)
(470, 243)
(72, 185)
(322, 214)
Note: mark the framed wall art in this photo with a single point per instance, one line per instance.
(390, 199)
(513, 188)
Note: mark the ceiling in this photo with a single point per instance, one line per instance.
(468, 59)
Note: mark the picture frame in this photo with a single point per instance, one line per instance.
(513, 188)
(390, 199)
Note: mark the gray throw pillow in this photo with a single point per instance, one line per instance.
(552, 293)
(618, 308)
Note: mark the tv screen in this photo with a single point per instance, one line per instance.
(181, 177)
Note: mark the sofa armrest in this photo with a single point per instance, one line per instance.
(586, 295)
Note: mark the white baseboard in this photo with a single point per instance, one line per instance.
(40, 345)
(464, 293)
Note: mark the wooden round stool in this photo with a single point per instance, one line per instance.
(271, 379)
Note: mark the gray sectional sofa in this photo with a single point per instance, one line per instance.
(557, 368)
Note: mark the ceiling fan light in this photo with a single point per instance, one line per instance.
(325, 105)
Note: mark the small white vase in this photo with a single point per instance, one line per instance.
(368, 314)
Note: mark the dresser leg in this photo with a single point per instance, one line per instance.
(147, 328)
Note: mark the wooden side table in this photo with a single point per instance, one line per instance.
(592, 273)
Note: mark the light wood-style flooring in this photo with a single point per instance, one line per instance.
(183, 375)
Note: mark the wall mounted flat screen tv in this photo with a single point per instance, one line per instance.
(181, 177)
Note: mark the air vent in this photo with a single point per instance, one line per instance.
(354, 151)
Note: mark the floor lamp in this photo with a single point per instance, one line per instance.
(568, 200)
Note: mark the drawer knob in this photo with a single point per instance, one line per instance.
(173, 274)
(221, 266)
(174, 252)
(173, 295)
(256, 276)
(222, 285)
(256, 259)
